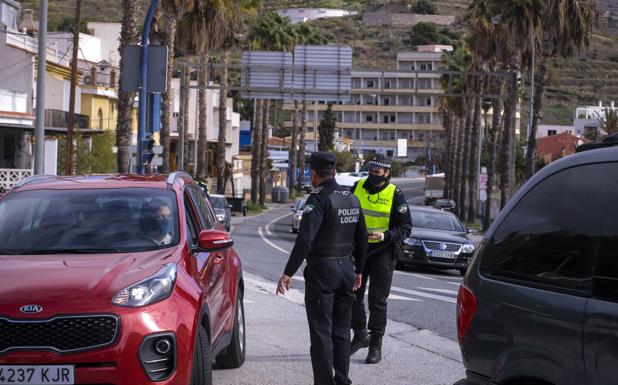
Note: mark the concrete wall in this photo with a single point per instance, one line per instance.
(404, 19)
(109, 33)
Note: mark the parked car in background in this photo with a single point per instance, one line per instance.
(539, 304)
(307, 187)
(297, 208)
(434, 188)
(116, 279)
(347, 179)
(223, 210)
(438, 239)
(444, 204)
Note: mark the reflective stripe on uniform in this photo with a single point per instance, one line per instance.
(376, 207)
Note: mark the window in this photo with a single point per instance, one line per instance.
(551, 132)
(100, 119)
(392, 118)
(605, 285)
(428, 101)
(369, 118)
(205, 213)
(386, 101)
(369, 83)
(387, 84)
(551, 236)
(389, 153)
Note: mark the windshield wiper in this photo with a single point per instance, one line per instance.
(70, 251)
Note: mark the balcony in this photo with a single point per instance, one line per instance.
(60, 119)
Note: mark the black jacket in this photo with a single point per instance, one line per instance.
(332, 225)
(399, 228)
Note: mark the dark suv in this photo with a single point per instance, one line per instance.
(117, 280)
(539, 304)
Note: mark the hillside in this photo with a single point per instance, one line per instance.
(587, 78)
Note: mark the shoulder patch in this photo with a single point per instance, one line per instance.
(317, 190)
(308, 209)
(403, 209)
(398, 190)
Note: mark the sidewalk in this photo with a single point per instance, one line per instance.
(278, 348)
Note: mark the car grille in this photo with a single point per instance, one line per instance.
(61, 334)
(451, 247)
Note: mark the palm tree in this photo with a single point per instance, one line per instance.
(169, 28)
(202, 140)
(566, 27)
(264, 152)
(608, 121)
(128, 35)
(301, 145)
(256, 150)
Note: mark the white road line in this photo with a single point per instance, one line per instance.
(424, 295)
(267, 228)
(414, 275)
(443, 291)
(454, 283)
(270, 243)
(392, 296)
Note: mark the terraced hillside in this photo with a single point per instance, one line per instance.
(587, 78)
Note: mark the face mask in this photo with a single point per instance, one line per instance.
(164, 226)
(374, 181)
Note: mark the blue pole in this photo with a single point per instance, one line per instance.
(143, 91)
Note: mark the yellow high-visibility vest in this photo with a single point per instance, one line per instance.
(376, 207)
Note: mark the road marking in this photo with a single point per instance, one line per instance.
(424, 295)
(391, 296)
(267, 228)
(443, 291)
(415, 275)
(270, 243)
(454, 283)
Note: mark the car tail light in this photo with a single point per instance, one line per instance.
(466, 308)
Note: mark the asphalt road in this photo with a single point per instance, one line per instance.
(424, 299)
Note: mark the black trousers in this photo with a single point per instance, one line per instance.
(328, 301)
(379, 271)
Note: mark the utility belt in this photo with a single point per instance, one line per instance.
(313, 258)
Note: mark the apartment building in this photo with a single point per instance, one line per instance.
(387, 105)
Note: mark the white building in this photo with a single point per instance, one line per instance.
(546, 130)
(587, 120)
(301, 15)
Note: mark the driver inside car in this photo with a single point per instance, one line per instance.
(156, 222)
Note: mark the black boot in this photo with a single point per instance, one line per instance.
(375, 350)
(360, 340)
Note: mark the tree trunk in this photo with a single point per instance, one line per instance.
(465, 160)
(225, 55)
(301, 146)
(168, 96)
(202, 138)
(492, 136)
(256, 150)
(507, 160)
(537, 116)
(187, 96)
(293, 144)
(459, 146)
(124, 127)
(473, 179)
(264, 152)
(447, 121)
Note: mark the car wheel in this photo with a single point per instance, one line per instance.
(234, 355)
(463, 271)
(201, 373)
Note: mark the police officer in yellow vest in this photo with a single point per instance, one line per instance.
(388, 221)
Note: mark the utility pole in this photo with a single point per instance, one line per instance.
(71, 124)
(39, 131)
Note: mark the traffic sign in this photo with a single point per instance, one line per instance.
(278, 155)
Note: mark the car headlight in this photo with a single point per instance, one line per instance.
(468, 248)
(151, 290)
(412, 242)
(220, 217)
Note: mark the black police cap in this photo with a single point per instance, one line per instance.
(322, 161)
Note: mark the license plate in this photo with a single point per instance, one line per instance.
(442, 254)
(37, 375)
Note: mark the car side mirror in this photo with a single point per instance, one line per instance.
(214, 240)
(470, 231)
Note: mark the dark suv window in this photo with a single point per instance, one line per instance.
(551, 236)
(606, 269)
(206, 216)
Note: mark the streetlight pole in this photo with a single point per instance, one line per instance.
(143, 90)
(39, 131)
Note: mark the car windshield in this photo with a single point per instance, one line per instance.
(88, 221)
(218, 202)
(436, 221)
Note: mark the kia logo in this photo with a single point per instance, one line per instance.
(443, 246)
(31, 309)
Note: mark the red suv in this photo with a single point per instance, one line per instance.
(118, 279)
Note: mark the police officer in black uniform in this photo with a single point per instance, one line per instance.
(333, 240)
(381, 256)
